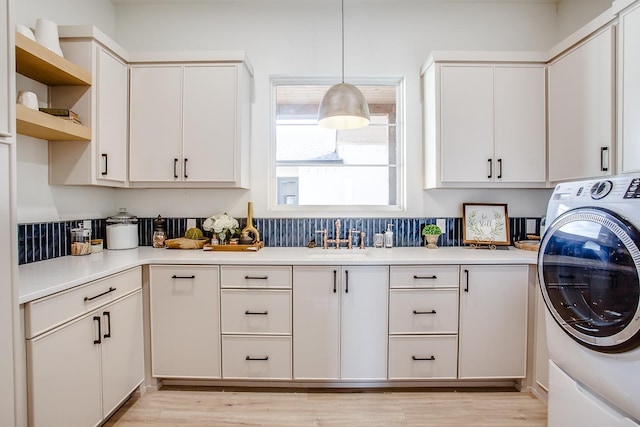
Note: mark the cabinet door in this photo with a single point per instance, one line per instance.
(155, 123)
(122, 350)
(64, 375)
(581, 110)
(7, 301)
(629, 90)
(185, 321)
(112, 83)
(316, 323)
(541, 371)
(5, 72)
(520, 124)
(493, 321)
(210, 105)
(364, 323)
(466, 103)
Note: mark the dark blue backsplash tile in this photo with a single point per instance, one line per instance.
(41, 241)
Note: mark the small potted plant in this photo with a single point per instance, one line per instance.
(431, 232)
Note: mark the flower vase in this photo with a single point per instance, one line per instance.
(222, 238)
(432, 241)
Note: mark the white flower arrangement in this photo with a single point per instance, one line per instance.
(221, 224)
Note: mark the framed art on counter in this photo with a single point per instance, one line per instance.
(485, 223)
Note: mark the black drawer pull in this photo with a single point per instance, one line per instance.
(424, 312)
(100, 295)
(175, 165)
(107, 314)
(415, 276)
(99, 340)
(257, 358)
(256, 277)
(260, 313)
(423, 358)
(106, 164)
(183, 277)
(466, 272)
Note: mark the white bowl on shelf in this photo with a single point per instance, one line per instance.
(25, 31)
(28, 99)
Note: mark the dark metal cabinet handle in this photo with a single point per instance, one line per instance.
(499, 168)
(111, 289)
(106, 164)
(424, 312)
(257, 358)
(335, 281)
(256, 277)
(490, 168)
(107, 314)
(415, 276)
(423, 358)
(183, 277)
(184, 172)
(466, 289)
(99, 340)
(257, 313)
(175, 168)
(603, 167)
(346, 281)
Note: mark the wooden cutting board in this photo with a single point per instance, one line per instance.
(184, 243)
(528, 245)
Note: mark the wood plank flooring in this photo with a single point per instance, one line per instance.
(213, 407)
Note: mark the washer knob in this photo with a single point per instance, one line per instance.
(600, 189)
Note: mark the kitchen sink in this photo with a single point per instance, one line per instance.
(338, 254)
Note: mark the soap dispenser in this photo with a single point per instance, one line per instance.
(388, 237)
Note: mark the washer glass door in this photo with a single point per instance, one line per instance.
(588, 266)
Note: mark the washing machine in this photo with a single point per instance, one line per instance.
(589, 269)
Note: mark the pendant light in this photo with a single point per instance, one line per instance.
(343, 106)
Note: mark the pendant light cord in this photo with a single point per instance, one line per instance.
(342, 13)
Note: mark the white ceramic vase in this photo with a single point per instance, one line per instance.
(47, 35)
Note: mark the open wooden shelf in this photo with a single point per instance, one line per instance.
(45, 126)
(39, 63)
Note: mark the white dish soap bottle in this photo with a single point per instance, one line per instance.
(388, 237)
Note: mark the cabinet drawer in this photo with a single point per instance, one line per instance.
(248, 311)
(255, 277)
(424, 276)
(424, 357)
(256, 357)
(46, 313)
(423, 311)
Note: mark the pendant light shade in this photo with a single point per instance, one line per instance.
(343, 106)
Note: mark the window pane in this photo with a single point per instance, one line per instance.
(324, 167)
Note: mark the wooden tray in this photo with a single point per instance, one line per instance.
(184, 243)
(528, 245)
(234, 248)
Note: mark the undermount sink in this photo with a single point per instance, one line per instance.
(342, 253)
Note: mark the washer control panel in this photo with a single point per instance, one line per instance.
(633, 192)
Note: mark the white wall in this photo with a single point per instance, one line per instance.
(290, 38)
(572, 14)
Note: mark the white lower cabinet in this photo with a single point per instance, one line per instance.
(423, 322)
(493, 321)
(340, 322)
(256, 322)
(185, 321)
(83, 369)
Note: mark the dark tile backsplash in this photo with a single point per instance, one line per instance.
(42, 241)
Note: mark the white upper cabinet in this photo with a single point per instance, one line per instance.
(484, 124)
(629, 91)
(5, 71)
(581, 110)
(190, 124)
(102, 160)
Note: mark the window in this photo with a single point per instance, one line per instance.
(348, 169)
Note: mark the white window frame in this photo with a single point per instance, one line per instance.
(400, 205)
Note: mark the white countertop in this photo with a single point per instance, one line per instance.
(40, 279)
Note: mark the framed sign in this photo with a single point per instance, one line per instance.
(485, 223)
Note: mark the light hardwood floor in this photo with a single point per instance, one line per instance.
(213, 407)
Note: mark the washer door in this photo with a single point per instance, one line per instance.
(588, 266)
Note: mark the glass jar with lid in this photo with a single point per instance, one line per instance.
(122, 230)
(159, 232)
